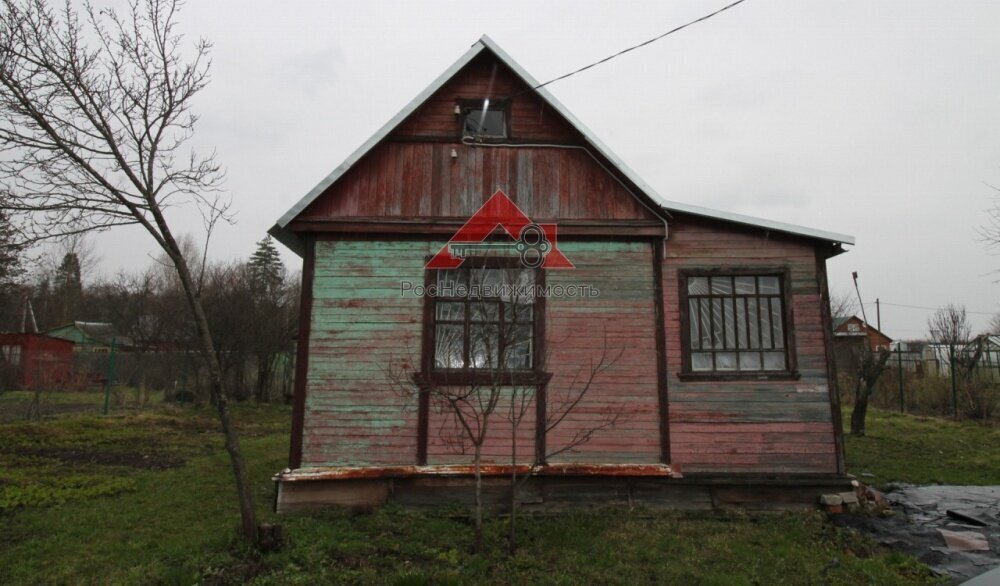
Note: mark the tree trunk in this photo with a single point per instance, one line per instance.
(477, 544)
(511, 536)
(265, 368)
(248, 511)
(858, 415)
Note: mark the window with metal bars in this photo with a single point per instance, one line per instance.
(736, 323)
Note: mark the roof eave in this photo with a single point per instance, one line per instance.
(755, 222)
(280, 230)
(290, 239)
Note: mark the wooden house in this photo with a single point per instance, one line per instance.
(88, 336)
(32, 361)
(852, 326)
(721, 321)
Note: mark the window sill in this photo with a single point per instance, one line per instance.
(467, 377)
(474, 140)
(738, 376)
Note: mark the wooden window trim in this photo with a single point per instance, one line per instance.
(784, 275)
(429, 375)
(466, 104)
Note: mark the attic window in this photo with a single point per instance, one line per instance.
(484, 120)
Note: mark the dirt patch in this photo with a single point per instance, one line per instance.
(148, 460)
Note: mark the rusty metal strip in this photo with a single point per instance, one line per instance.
(375, 472)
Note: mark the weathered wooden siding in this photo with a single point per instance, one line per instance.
(447, 444)
(749, 426)
(486, 77)
(413, 175)
(576, 329)
(360, 326)
(411, 180)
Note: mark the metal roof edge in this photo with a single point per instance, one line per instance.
(382, 132)
(288, 238)
(638, 181)
(757, 222)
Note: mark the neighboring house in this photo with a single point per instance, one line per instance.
(722, 320)
(850, 326)
(90, 336)
(35, 361)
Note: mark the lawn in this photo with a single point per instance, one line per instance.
(902, 448)
(146, 497)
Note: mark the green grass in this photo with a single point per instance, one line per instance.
(902, 448)
(147, 497)
(14, 404)
(620, 547)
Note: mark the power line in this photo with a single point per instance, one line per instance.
(928, 308)
(632, 48)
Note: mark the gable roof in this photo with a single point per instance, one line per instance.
(840, 320)
(281, 232)
(91, 332)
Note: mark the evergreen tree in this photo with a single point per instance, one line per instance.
(265, 264)
(11, 268)
(67, 288)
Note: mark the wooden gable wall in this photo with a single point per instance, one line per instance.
(412, 174)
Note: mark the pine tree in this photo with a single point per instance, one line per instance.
(265, 264)
(68, 288)
(11, 272)
(11, 268)
(269, 332)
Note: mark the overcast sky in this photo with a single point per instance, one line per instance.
(876, 119)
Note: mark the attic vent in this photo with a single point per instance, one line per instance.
(484, 121)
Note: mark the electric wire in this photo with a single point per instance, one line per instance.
(928, 308)
(623, 51)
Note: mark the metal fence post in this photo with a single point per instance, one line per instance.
(954, 387)
(109, 373)
(899, 367)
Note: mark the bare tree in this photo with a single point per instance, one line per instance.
(950, 325)
(871, 365)
(843, 304)
(995, 324)
(500, 351)
(95, 122)
(557, 409)
(990, 230)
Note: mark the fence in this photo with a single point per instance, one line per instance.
(105, 381)
(928, 384)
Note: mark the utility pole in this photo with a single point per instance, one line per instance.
(864, 318)
(878, 315)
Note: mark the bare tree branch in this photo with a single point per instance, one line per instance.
(95, 122)
(950, 325)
